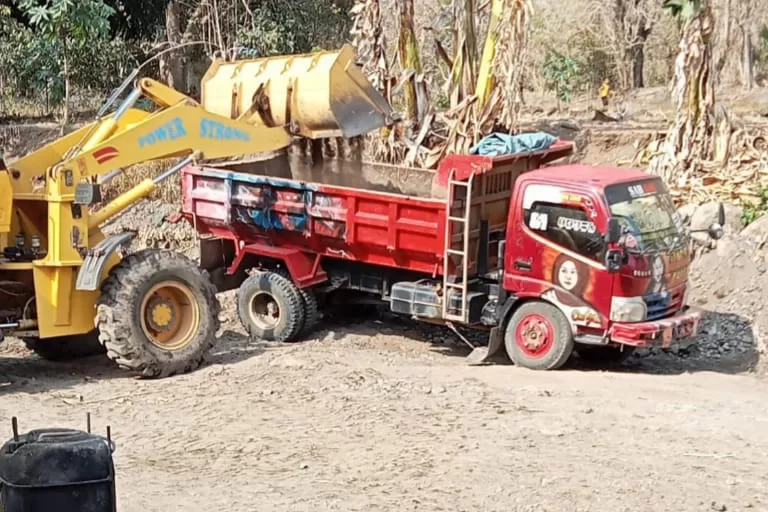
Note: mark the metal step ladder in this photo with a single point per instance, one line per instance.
(461, 255)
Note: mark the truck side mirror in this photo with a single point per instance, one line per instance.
(613, 260)
(715, 231)
(613, 234)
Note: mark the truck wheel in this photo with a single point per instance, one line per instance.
(309, 300)
(270, 307)
(158, 314)
(66, 348)
(311, 311)
(538, 337)
(609, 355)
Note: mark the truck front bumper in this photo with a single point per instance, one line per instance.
(658, 333)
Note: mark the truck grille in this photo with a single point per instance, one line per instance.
(664, 304)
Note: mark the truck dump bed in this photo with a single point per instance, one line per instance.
(371, 213)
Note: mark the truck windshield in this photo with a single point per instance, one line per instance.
(647, 215)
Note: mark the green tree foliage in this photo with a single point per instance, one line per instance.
(68, 26)
(682, 9)
(560, 73)
(293, 26)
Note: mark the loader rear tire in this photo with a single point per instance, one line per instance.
(158, 314)
(271, 307)
(66, 348)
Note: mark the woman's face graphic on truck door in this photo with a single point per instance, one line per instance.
(658, 268)
(568, 275)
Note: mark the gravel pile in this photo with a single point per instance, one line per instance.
(150, 221)
(730, 283)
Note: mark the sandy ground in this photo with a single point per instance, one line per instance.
(371, 416)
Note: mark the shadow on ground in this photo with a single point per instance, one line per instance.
(726, 344)
(28, 373)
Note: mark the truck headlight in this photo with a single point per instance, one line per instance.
(628, 309)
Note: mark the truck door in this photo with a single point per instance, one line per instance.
(555, 252)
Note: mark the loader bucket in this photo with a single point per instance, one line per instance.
(317, 95)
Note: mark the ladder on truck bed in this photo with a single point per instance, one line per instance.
(461, 254)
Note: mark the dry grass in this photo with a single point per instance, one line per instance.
(169, 191)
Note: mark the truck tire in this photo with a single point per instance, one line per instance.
(605, 355)
(158, 314)
(538, 337)
(270, 307)
(66, 348)
(311, 306)
(311, 311)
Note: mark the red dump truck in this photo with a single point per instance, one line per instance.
(549, 259)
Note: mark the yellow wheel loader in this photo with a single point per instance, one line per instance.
(64, 287)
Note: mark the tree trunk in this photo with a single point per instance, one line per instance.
(747, 59)
(409, 58)
(638, 65)
(173, 64)
(485, 77)
(725, 18)
(65, 55)
(689, 141)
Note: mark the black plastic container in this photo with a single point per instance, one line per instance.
(57, 470)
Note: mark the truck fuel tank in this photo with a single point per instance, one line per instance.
(318, 95)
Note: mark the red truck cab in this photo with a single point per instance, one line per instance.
(615, 294)
(551, 260)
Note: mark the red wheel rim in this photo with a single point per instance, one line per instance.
(535, 336)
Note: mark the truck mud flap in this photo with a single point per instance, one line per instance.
(89, 275)
(482, 355)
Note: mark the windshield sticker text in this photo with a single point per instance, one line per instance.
(642, 190)
(172, 130)
(210, 129)
(568, 198)
(539, 221)
(581, 226)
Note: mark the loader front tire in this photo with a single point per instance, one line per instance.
(271, 307)
(158, 314)
(66, 348)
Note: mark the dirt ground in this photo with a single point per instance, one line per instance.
(372, 416)
(383, 414)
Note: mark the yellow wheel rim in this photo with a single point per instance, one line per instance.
(170, 315)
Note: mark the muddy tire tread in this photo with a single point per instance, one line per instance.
(311, 307)
(115, 317)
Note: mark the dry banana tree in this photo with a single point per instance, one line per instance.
(689, 141)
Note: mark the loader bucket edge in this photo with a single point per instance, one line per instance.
(323, 94)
